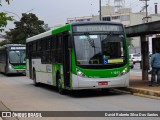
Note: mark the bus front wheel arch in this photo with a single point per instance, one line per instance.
(34, 78)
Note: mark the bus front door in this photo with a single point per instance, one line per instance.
(66, 61)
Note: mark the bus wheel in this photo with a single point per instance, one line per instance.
(105, 90)
(34, 79)
(59, 85)
(6, 71)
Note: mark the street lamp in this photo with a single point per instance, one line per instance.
(17, 14)
(13, 13)
(29, 10)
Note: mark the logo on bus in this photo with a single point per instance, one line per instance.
(115, 72)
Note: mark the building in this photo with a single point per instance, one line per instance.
(79, 19)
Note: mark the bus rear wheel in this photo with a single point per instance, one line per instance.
(6, 71)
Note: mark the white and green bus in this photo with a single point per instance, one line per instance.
(83, 55)
(12, 58)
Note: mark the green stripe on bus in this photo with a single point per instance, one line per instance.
(61, 29)
(18, 66)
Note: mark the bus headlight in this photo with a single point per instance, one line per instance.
(10, 66)
(125, 71)
(79, 73)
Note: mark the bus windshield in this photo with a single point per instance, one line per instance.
(100, 49)
(16, 57)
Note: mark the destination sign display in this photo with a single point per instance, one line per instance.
(17, 48)
(97, 28)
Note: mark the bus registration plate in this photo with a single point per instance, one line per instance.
(102, 83)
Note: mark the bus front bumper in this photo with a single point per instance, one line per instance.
(93, 83)
(16, 71)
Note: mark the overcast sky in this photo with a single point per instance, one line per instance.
(54, 12)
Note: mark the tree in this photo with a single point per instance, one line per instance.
(4, 42)
(28, 26)
(8, 1)
(4, 18)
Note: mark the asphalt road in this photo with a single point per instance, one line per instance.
(18, 93)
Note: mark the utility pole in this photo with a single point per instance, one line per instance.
(100, 14)
(145, 47)
(146, 9)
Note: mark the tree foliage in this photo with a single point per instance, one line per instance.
(8, 1)
(28, 26)
(4, 42)
(4, 18)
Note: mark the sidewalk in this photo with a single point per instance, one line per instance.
(140, 87)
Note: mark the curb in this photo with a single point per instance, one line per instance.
(147, 96)
(144, 92)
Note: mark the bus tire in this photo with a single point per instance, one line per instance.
(6, 71)
(59, 84)
(105, 90)
(34, 79)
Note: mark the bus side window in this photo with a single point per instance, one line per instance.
(43, 57)
(50, 49)
(59, 49)
(47, 51)
(30, 50)
(3, 56)
(39, 47)
(34, 46)
(53, 42)
(26, 50)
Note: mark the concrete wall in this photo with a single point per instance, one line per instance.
(107, 10)
(136, 18)
(155, 17)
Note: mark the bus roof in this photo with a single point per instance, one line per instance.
(97, 22)
(50, 32)
(65, 28)
(8, 45)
